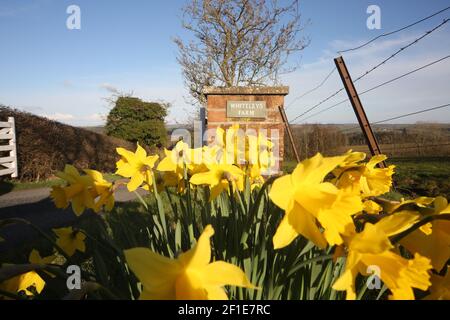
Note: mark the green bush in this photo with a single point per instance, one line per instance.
(137, 121)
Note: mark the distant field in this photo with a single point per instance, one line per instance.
(406, 150)
(423, 176)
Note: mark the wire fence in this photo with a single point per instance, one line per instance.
(442, 142)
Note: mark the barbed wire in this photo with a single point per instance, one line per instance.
(393, 32)
(313, 89)
(382, 84)
(318, 104)
(402, 116)
(406, 74)
(400, 50)
(372, 69)
(412, 113)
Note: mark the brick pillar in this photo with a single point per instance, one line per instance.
(217, 98)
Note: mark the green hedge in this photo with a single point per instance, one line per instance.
(45, 146)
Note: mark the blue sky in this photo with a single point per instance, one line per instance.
(127, 45)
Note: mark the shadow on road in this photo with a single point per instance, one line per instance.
(5, 187)
(42, 214)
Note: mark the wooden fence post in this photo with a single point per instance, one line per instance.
(288, 129)
(364, 123)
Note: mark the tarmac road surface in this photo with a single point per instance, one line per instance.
(35, 206)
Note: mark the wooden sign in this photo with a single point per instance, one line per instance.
(246, 109)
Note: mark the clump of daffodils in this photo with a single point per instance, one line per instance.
(90, 191)
(331, 212)
(222, 166)
(335, 202)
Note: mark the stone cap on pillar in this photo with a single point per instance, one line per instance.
(279, 91)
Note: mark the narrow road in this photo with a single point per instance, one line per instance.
(21, 197)
(36, 206)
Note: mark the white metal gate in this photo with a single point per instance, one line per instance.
(8, 164)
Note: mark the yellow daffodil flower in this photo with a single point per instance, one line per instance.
(413, 204)
(176, 159)
(136, 166)
(211, 155)
(191, 276)
(174, 165)
(255, 176)
(440, 287)
(28, 283)
(82, 191)
(103, 190)
(219, 177)
(365, 177)
(200, 157)
(371, 207)
(36, 258)
(259, 158)
(78, 191)
(58, 196)
(372, 248)
(219, 139)
(306, 200)
(259, 141)
(70, 240)
(235, 146)
(166, 179)
(376, 181)
(433, 239)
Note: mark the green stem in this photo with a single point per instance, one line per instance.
(172, 205)
(104, 244)
(257, 202)
(309, 261)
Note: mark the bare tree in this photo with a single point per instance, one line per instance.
(238, 42)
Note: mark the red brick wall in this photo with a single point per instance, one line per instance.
(217, 108)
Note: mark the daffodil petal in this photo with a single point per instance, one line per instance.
(135, 182)
(128, 155)
(126, 170)
(140, 152)
(285, 234)
(220, 273)
(200, 254)
(166, 164)
(209, 178)
(157, 273)
(315, 169)
(282, 191)
(370, 240)
(397, 222)
(216, 293)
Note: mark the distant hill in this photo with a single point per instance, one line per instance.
(354, 127)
